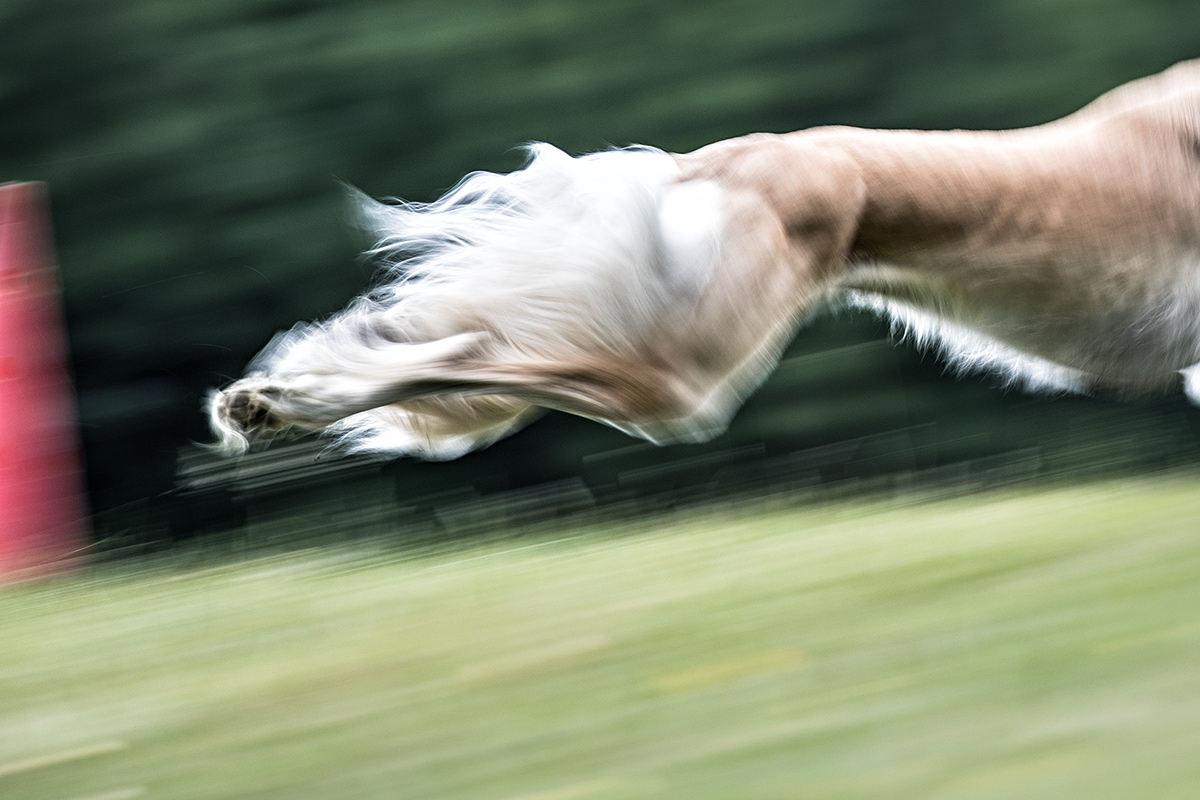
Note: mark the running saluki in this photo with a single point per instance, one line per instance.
(653, 291)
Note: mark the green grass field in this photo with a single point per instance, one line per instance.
(1023, 645)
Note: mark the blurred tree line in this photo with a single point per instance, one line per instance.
(194, 150)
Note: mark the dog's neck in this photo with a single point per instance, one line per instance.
(1063, 189)
(929, 191)
(906, 197)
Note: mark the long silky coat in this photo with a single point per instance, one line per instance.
(653, 291)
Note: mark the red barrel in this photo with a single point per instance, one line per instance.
(43, 515)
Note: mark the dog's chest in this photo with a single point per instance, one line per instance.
(1139, 333)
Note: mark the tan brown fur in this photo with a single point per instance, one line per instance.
(1073, 245)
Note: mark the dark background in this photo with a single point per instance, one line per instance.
(194, 150)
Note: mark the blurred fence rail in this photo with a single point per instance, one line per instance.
(301, 491)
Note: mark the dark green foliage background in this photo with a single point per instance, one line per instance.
(194, 150)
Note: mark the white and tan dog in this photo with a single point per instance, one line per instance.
(653, 291)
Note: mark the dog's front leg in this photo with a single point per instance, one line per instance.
(625, 392)
(265, 403)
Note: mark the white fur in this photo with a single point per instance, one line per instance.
(568, 256)
(967, 350)
(1151, 335)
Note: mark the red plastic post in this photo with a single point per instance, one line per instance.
(43, 515)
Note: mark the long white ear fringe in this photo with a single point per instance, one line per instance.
(562, 258)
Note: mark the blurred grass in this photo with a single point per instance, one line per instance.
(1034, 644)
